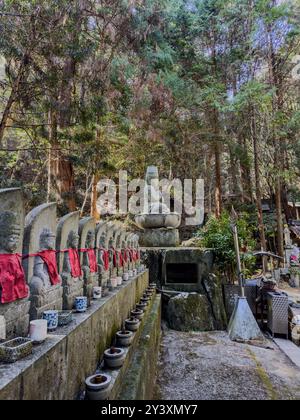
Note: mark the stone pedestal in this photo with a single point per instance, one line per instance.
(16, 315)
(159, 238)
(50, 300)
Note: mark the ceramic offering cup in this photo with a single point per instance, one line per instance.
(114, 357)
(135, 272)
(114, 282)
(137, 313)
(125, 276)
(124, 338)
(97, 292)
(132, 324)
(119, 281)
(38, 330)
(98, 387)
(81, 303)
(130, 273)
(52, 319)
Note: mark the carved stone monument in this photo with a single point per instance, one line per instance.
(120, 261)
(125, 252)
(40, 263)
(159, 225)
(103, 256)
(88, 258)
(14, 292)
(67, 243)
(113, 257)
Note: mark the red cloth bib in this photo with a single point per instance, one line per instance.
(114, 258)
(12, 278)
(130, 254)
(125, 255)
(49, 258)
(75, 263)
(92, 260)
(121, 261)
(105, 258)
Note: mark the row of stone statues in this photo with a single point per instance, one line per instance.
(45, 264)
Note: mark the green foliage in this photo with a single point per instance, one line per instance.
(217, 235)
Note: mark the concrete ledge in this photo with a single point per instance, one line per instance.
(141, 375)
(137, 373)
(57, 369)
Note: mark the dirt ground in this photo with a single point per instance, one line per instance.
(208, 366)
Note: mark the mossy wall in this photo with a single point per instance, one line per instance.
(57, 369)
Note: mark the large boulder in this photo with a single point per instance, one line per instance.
(190, 312)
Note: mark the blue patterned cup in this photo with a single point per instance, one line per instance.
(52, 319)
(81, 303)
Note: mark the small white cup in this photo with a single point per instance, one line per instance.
(38, 330)
(97, 292)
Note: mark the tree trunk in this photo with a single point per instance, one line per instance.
(246, 174)
(258, 191)
(61, 182)
(13, 96)
(218, 187)
(94, 211)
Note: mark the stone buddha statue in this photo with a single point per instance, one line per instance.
(12, 278)
(155, 198)
(45, 272)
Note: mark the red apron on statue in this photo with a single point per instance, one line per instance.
(92, 260)
(105, 258)
(121, 261)
(114, 257)
(49, 258)
(75, 263)
(125, 256)
(12, 278)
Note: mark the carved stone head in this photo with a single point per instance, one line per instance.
(10, 232)
(73, 240)
(103, 239)
(90, 239)
(47, 240)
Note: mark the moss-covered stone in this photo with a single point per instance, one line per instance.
(190, 312)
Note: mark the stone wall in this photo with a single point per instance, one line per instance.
(57, 369)
(190, 304)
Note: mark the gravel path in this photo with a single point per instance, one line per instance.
(208, 366)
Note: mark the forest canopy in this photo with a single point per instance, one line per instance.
(201, 88)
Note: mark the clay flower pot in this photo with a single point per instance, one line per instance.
(114, 357)
(132, 324)
(125, 276)
(98, 387)
(119, 281)
(142, 306)
(138, 314)
(124, 338)
(145, 300)
(114, 282)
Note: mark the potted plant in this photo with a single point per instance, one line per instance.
(98, 387)
(114, 357)
(132, 324)
(124, 338)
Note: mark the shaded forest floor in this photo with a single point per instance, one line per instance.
(208, 366)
